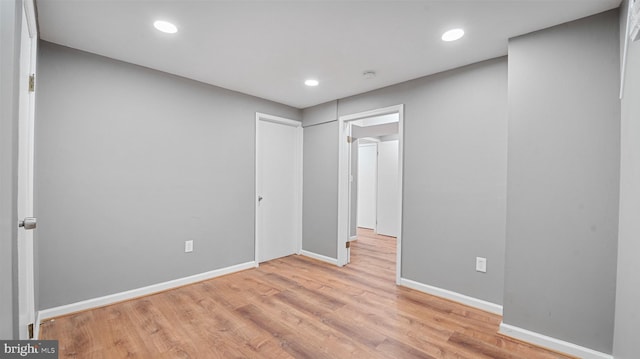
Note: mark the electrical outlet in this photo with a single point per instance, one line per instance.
(481, 264)
(188, 246)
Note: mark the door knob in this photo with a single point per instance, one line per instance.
(28, 223)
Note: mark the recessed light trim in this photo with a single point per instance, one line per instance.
(453, 35)
(165, 27)
(311, 82)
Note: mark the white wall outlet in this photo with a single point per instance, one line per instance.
(481, 264)
(188, 246)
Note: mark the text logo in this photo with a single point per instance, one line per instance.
(31, 349)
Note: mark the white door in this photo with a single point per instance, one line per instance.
(388, 189)
(26, 303)
(278, 187)
(367, 178)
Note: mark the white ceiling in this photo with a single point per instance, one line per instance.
(268, 48)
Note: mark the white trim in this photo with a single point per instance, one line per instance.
(456, 297)
(139, 292)
(551, 343)
(372, 113)
(401, 191)
(353, 238)
(299, 189)
(28, 59)
(625, 48)
(36, 327)
(343, 180)
(298, 179)
(349, 189)
(277, 119)
(319, 257)
(343, 199)
(256, 195)
(30, 12)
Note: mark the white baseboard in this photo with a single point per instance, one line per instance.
(319, 257)
(551, 343)
(139, 292)
(456, 297)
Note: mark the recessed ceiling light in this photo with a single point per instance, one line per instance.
(165, 26)
(453, 35)
(311, 82)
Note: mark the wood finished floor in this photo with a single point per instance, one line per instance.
(293, 307)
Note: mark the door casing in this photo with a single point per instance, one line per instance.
(343, 180)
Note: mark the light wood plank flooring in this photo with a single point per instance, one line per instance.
(293, 307)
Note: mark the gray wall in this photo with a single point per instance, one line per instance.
(320, 187)
(10, 30)
(454, 175)
(130, 163)
(322, 113)
(438, 196)
(627, 325)
(563, 179)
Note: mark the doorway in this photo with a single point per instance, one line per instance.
(375, 175)
(278, 217)
(350, 134)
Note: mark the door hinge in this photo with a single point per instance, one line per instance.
(349, 139)
(32, 83)
(348, 244)
(30, 329)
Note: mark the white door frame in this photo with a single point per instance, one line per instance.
(26, 281)
(343, 179)
(298, 179)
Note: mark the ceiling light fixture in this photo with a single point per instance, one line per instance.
(311, 82)
(452, 35)
(165, 26)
